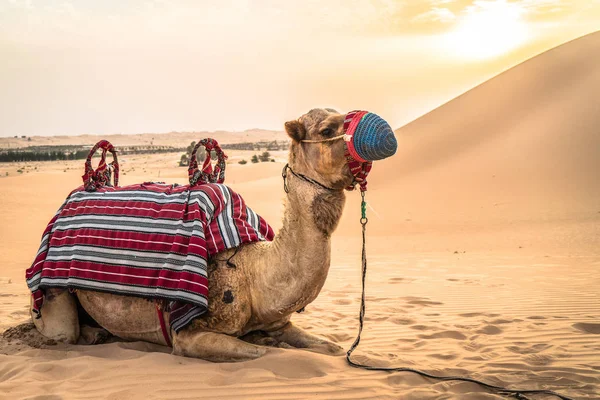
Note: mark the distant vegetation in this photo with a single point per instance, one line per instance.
(63, 153)
(53, 153)
(184, 161)
(255, 146)
(273, 145)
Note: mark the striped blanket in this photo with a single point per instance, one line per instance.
(150, 240)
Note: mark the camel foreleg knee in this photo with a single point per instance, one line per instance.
(58, 319)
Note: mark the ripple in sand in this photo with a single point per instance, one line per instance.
(342, 302)
(524, 348)
(445, 335)
(401, 280)
(444, 356)
(501, 321)
(422, 328)
(426, 303)
(587, 327)
(401, 321)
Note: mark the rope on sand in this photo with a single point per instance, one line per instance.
(517, 393)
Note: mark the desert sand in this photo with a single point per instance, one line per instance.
(483, 247)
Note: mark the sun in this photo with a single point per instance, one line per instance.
(488, 30)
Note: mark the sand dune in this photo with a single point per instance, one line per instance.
(484, 260)
(521, 148)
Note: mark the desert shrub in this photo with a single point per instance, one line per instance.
(184, 160)
(242, 162)
(200, 155)
(254, 159)
(20, 171)
(265, 156)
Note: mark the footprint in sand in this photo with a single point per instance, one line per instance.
(587, 328)
(538, 359)
(472, 346)
(489, 330)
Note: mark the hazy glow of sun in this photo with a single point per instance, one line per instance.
(490, 30)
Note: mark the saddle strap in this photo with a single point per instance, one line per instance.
(163, 325)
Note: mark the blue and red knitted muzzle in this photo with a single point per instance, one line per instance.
(368, 138)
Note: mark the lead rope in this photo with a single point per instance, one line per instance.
(519, 394)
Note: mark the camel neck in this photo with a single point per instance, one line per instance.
(301, 251)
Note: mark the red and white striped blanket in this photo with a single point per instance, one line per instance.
(150, 240)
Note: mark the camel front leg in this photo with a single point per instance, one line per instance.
(215, 347)
(300, 339)
(58, 319)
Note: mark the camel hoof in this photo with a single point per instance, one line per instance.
(284, 345)
(267, 341)
(335, 349)
(90, 335)
(328, 348)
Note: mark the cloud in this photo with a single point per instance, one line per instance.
(436, 14)
(543, 6)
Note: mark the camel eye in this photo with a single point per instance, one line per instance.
(327, 132)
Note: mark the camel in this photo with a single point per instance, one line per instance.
(250, 304)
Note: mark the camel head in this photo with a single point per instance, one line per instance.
(324, 161)
(323, 142)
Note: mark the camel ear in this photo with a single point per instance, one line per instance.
(295, 130)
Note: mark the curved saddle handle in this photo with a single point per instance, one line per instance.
(100, 177)
(207, 174)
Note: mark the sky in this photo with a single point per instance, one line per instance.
(113, 66)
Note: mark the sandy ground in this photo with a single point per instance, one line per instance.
(484, 260)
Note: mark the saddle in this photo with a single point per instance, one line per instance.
(150, 240)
